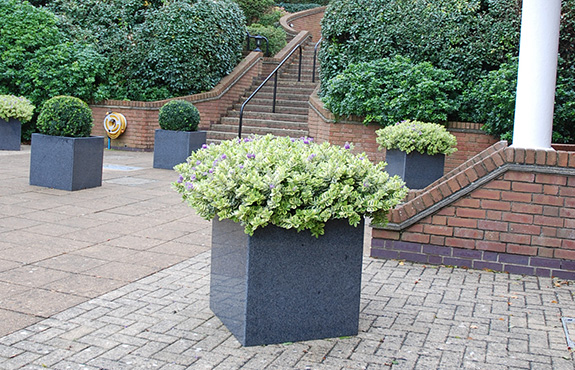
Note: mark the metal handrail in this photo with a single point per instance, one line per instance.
(258, 39)
(275, 75)
(314, 59)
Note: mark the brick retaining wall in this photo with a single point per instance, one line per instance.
(506, 209)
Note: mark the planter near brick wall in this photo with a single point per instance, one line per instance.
(506, 209)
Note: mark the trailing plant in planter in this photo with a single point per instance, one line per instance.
(13, 112)
(15, 107)
(423, 137)
(290, 183)
(179, 115)
(178, 137)
(416, 151)
(65, 116)
(64, 155)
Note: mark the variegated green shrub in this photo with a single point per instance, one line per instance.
(424, 137)
(16, 107)
(290, 183)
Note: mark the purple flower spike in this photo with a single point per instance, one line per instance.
(189, 185)
(198, 163)
(272, 186)
(204, 146)
(193, 177)
(312, 156)
(347, 146)
(211, 170)
(224, 156)
(180, 179)
(251, 156)
(306, 140)
(241, 166)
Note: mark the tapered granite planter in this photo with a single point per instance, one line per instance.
(66, 163)
(416, 169)
(174, 147)
(282, 286)
(10, 134)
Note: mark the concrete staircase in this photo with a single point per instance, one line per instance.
(290, 117)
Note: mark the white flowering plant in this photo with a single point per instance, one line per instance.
(424, 137)
(290, 183)
(15, 107)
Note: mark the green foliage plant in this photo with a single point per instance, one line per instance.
(272, 17)
(15, 107)
(423, 137)
(298, 6)
(179, 115)
(276, 37)
(388, 90)
(254, 9)
(290, 183)
(65, 116)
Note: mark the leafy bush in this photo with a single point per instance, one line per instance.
(424, 137)
(65, 116)
(179, 115)
(298, 7)
(272, 17)
(276, 37)
(15, 107)
(290, 183)
(392, 89)
(254, 9)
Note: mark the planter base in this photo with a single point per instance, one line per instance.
(174, 147)
(416, 169)
(282, 286)
(10, 134)
(66, 163)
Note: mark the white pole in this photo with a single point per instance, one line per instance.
(537, 74)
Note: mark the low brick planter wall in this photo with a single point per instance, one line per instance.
(506, 209)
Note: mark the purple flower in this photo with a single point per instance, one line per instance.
(251, 156)
(312, 156)
(293, 140)
(361, 158)
(193, 178)
(365, 184)
(204, 146)
(189, 185)
(347, 146)
(272, 186)
(211, 170)
(241, 166)
(224, 156)
(205, 174)
(180, 179)
(198, 162)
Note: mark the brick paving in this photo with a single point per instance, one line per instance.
(155, 315)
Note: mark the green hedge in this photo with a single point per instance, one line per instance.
(276, 38)
(179, 115)
(254, 9)
(65, 116)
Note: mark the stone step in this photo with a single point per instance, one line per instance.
(281, 95)
(269, 88)
(232, 132)
(262, 101)
(255, 122)
(282, 82)
(269, 116)
(267, 108)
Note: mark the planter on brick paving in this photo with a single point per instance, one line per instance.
(13, 112)
(178, 136)
(416, 151)
(286, 257)
(63, 155)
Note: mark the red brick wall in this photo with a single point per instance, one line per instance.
(506, 209)
(324, 127)
(142, 117)
(307, 20)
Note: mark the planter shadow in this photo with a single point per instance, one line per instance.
(66, 163)
(281, 286)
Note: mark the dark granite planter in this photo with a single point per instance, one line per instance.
(282, 286)
(174, 147)
(416, 169)
(10, 134)
(66, 163)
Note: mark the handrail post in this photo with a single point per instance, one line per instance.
(300, 60)
(275, 92)
(241, 119)
(314, 59)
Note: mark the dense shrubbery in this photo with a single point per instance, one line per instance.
(65, 116)
(276, 37)
(253, 9)
(390, 89)
(179, 115)
(299, 6)
(474, 39)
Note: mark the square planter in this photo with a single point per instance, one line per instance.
(10, 134)
(282, 286)
(66, 163)
(416, 169)
(174, 147)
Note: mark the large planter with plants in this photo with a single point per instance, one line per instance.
(287, 241)
(416, 151)
(178, 136)
(63, 155)
(13, 112)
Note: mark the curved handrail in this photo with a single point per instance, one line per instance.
(314, 58)
(275, 75)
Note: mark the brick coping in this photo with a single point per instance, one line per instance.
(286, 20)
(478, 170)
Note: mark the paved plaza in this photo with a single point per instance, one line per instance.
(117, 277)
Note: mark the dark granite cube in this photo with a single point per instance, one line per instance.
(10, 134)
(282, 286)
(416, 169)
(174, 147)
(66, 163)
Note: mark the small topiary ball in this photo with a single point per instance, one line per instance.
(65, 116)
(179, 115)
